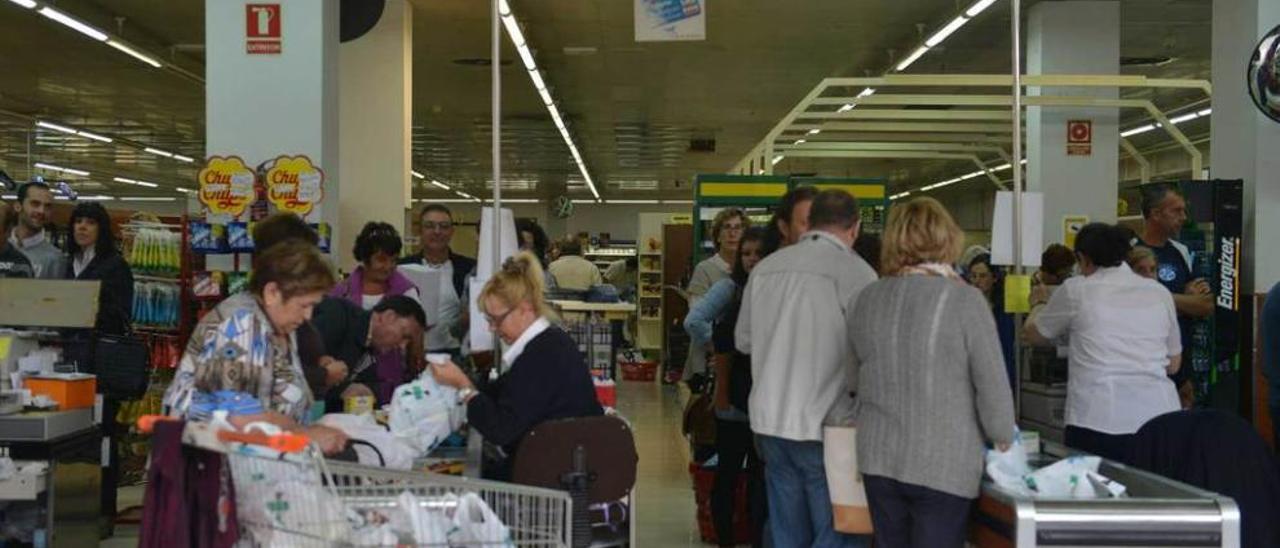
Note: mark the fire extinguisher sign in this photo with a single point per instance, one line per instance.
(1079, 137)
(262, 29)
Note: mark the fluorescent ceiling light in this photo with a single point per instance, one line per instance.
(98, 198)
(1184, 118)
(159, 152)
(912, 58)
(815, 131)
(979, 7)
(182, 158)
(946, 31)
(134, 53)
(94, 136)
(513, 29)
(635, 202)
(866, 92)
(526, 57)
(538, 83)
(29, 4)
(440, 184)
(73, 23)
(134, 182)
(801, 141)
(583, 201)
(147, 199)
(442, 201)
(777, 159)
(55, 127)
(68, 170)
(1001, 167)
(9, 197)
(846, 108)
(678, 202)
(183, 190)
(900, 195)
(519, 200)
(1138, 130)
(1205, 112)
(416, 174)
(503, 8)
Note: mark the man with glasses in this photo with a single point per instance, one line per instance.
(726, 233)
(435, 233)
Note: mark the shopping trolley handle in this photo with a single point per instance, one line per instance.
(286, 442)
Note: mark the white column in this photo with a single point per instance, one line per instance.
(1245, 142)
(376, 110)
(259, 106)
(1073, 38)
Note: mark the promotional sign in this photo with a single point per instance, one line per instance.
(1071, 225)
(294, 184)
(670, 20)
(262, 29)
(226, 185)
(1228, 224)
(1079, 138)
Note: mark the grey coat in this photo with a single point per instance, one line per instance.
(930, 382)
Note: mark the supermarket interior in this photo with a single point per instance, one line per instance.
(656, 273)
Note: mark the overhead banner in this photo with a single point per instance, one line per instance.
(671, 20)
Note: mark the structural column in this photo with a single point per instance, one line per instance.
(271, 86)
(1245, 142)
(375, 93)
(1073, 38)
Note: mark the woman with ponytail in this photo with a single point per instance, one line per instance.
(545, 377)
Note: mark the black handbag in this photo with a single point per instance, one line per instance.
(122, 365)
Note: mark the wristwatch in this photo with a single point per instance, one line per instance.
(465, 395)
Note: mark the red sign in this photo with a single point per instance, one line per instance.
(262, 28)
(1079, 137)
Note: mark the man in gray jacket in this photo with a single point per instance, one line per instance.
(35, 202)
(793, 323)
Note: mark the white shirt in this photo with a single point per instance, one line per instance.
(1123, 329)
(794, 324)
(367, 302)
(517, 348)
(82, 262)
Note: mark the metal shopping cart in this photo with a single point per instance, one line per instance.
(288, 494)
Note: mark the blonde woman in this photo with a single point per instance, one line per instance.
(546, 377)
(930, 383)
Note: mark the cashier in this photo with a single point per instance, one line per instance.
(546, 377)
(1123, 342)
(246, 346)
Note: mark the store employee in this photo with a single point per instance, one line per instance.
(546, 376)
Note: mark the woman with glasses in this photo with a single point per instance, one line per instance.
(544, 376)
(726, 234)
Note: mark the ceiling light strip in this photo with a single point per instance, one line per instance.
(50, 167)
(76, 24)
(512, 26)
(941, 35)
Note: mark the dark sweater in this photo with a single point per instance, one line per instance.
(548, 381)
(115, 295)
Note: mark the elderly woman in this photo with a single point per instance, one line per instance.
(243, 354)
(545, 376)
(930, 383)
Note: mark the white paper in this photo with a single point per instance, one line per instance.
(481, 337)
(484, 265)
(1032, 229)
(428, 284)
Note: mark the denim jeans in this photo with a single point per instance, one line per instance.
(799, 504)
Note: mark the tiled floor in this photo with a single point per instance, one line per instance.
(664, 498)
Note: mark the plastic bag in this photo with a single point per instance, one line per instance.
(281, 513)
(475, 524)
(395, 452)
(423, 413)
(1067, 478)
(1009, 468)
(426, 525)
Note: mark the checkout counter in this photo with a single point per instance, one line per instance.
(59, 453)
(1156, 512)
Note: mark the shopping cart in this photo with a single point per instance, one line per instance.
(288, 494)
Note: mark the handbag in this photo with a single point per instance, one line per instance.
(121, 364)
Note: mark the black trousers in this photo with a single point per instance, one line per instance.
(734, 441)
(913, 516)
(1114, 447)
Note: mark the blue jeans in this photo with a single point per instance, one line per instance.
(799, 504)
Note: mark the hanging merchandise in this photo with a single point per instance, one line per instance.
(208, 238)
(156, 304)
(156, 252)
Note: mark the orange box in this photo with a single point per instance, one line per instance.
(70, 394)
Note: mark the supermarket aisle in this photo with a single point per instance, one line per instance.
(665, 512)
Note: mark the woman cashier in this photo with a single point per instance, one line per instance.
(546, 377)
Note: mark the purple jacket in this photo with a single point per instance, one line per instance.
(390, 365)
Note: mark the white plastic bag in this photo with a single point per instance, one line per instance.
(395, 452)
(475, 524)
(292, 513)
(423, 413)
(1009, 468)
(1067, 478)
(425, 525)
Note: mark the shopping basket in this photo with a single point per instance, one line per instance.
(288, 494)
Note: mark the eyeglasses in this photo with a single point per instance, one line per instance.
(441, 226)
(496, 321)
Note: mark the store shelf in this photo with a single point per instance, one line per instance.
(146, 278)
